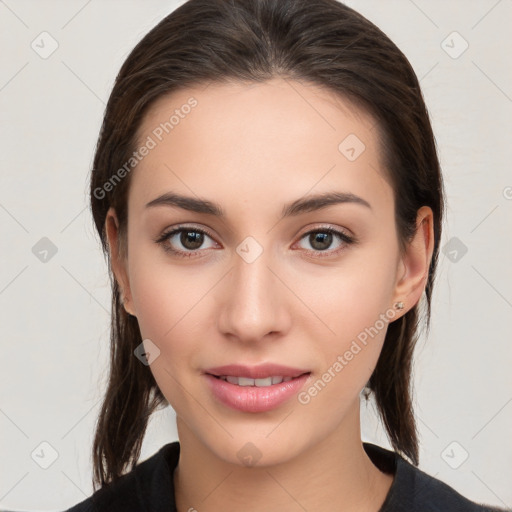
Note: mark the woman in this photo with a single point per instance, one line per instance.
(267, 189)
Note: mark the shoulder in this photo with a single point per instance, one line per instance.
(148, 486)
(430, 494)
(414, 490)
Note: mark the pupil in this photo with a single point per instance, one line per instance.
(325, 240)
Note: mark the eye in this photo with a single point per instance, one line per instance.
(187, 241)
(321, 240)
(184, 241)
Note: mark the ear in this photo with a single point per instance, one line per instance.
(412, 272)
(118, 260)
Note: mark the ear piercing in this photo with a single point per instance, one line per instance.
(399, 305)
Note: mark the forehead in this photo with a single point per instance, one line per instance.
(253, 138)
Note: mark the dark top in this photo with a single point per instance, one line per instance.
(149, 487)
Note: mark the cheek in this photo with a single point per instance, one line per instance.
(354, 305)
(170, 312)
(167, 303)
(173, 304)
(353, 296)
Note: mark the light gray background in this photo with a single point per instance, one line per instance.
(55, 314)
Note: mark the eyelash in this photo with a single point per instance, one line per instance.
(346, 239)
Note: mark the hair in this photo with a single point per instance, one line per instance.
(322, 42)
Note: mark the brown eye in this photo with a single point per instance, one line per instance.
(321, 241)
(191, 239)
(185, 241)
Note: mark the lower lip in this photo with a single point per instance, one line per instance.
(254, 398)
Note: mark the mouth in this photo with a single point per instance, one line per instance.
(260, 383)
(253, 389)
(262, 375)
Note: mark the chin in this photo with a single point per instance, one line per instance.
(254, 449)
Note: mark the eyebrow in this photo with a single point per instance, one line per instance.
(302, 205)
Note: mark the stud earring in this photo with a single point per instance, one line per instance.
(366, 391)
(399, 305)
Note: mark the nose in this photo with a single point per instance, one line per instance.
(253, 301)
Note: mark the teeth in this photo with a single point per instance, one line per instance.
(243, 381)
(264, 382)
(246, 381)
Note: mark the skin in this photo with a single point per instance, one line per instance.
(253, 148)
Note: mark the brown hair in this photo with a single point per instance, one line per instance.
(323, 42)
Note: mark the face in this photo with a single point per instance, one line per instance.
(263, 280)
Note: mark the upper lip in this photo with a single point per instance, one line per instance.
(261, 371)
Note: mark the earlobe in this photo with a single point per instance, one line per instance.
(117, 259)
(414, 265)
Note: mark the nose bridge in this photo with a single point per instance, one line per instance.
(252, 304)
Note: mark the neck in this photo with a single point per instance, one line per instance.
(335, 473)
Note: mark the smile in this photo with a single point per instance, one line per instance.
(253, 395)
(261, 383)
